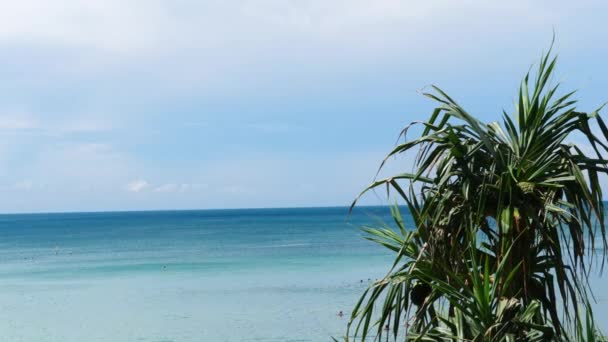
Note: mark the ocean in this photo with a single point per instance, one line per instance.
(208, 275)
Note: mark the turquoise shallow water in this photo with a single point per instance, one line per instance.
(217, 275)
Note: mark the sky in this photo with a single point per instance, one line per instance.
(181, 104)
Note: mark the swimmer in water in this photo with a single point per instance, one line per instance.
(340, 313)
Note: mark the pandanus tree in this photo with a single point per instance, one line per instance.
(508, 220)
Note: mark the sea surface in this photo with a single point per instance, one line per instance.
(209, 275)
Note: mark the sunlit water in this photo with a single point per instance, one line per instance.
(220, 275)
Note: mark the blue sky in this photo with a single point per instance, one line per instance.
(127, 104)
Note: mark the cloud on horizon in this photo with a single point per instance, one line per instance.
(137, 185)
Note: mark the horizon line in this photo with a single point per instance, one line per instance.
(183, 209)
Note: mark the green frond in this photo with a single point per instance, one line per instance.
(506, 215)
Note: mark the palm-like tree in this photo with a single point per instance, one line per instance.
(507, 218)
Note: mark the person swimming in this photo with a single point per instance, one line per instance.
(340, 313)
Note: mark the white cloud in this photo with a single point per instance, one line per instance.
(180, 187)
(222, 28)
(157, 49)
(108, 25)
(137, 185)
